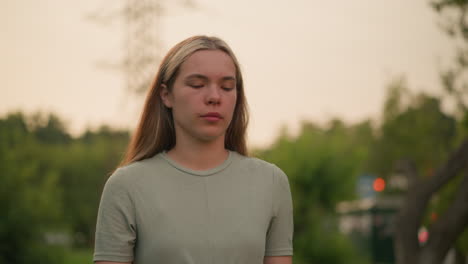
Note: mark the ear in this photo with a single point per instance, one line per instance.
(165, 96)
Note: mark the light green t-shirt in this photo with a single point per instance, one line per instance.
(156, 211)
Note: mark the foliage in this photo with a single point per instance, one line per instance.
(453, 19)
(322, 165)
(29, 197)
(51, 184)
(413, 126)
(85, 165)
(78, 256)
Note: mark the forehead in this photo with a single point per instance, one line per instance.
(212, 63)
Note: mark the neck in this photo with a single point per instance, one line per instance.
(199, 155)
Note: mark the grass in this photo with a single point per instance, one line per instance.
(79, 256)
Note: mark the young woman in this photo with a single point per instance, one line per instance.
(186, 191)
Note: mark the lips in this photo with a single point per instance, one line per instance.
(212, 116)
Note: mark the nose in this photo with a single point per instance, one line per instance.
(213, 96)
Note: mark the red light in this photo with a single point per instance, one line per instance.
(434, 217)
(379, 185)
(423, 235)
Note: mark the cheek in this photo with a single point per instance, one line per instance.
(231, 97)
(234, 101)
(232, 105)
(186, 108)
(184, 101)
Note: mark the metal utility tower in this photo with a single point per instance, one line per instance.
(142, 42)
(142, 31)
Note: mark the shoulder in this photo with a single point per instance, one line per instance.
(143, 166)
(128, 175)
(253, 162)
(262, 167)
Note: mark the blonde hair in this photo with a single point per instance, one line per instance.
(155, 131)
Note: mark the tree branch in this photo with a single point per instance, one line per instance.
(457, 162)
(445, 231)
(409, 216)
(419, 192)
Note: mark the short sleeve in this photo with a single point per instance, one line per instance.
(279, 241)
(116, 226)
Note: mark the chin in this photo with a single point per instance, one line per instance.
(209, 136)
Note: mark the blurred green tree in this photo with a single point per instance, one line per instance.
(322, 165)
(29, 196)
(411, 126)
(48, 129)
(51, 185)
(84, 167)
(417, 138)
(438, 175)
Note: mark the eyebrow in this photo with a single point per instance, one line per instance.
(201, 76)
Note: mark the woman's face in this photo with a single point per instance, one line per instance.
(203, 97)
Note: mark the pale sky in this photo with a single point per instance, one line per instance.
(301, 60)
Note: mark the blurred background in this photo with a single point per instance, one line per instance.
(364, 105)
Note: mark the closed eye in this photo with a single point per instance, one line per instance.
(227, 88)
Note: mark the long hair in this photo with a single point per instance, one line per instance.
(155, 131)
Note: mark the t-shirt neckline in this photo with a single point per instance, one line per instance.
(208, 172)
